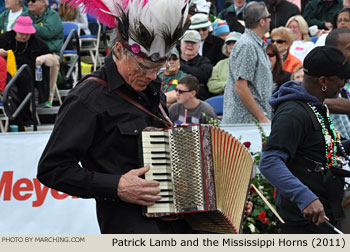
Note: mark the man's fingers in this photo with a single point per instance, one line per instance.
(140, 171)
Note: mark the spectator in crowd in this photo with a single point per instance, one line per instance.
(218, 78)
(283, 38)
(341, 38)
(249, 84)
(298, 74)
(28, 49)
(170, 76)
(220, 29)
(3, 76)
(321, 12)
(281, 11)
(188, 109)
(301, 44)
(49, 28)
(279, 75)
(53, 4)
(234, 15)
(194, 64)
(340, 20)
(14, 9)
(346, 4)
(300, 157)
(210, 45)
(75, 15)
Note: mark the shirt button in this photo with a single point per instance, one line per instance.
(136, 131)
(155, 93)
(140, 98)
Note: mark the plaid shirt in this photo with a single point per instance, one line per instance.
(342, 122)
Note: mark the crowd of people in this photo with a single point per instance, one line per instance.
(280, 62)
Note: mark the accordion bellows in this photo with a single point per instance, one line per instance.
(204, 173)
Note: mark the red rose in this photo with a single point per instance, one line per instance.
(263, 145)
(262, 215)
(266, 221)
(274, 193)
(247, 144)
(252, 190)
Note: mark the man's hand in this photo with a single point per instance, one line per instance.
(3, 53)
(264, 120)
(248, 208)
(133, 189)
(315, 212)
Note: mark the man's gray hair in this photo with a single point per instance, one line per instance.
(253, 12)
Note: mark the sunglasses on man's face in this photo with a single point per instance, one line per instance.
(173, 58)
(33, 1)
(278, 41)
(202, 29)
(182, 91)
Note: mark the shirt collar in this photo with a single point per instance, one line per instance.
(239, 10)
(256, 38)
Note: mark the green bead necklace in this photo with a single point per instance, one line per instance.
(331, 146)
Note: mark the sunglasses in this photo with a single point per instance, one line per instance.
(143, 67)
(343, 20)
(230, 42)
(33, 1)
(271, 55)
(173, 57)
(202, 29)
(182, 91)
(278, 41)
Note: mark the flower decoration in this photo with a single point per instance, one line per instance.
(247, 144)
(135, 48)
(262, 215)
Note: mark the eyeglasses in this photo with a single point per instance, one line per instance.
(269, 16)
(278, 41)
(145, 68)
(271, 55)
(33, 1)
(343, 20)
(230, 42)
(202, 29)
(182, 91)
(173, 57)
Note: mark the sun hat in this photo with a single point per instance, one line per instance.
(233, 36)
(24, 24)
(192, 36)
(326, 61)
(199, 20)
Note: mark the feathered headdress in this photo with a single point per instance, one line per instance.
(148, 28)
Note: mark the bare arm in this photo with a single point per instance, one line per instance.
(241, 87)
(170, 97)
(338, 105)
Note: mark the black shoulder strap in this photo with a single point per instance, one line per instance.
(311, 113)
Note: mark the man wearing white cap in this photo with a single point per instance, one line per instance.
(210, 46)
(194, 64)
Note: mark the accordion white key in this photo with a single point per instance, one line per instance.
(204, 173)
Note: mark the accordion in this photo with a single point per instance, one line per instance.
(204, 173)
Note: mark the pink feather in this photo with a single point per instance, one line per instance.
(93, 7)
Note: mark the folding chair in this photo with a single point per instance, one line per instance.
(71, 33)
(217, 102)
(4, 120)
(91, 43)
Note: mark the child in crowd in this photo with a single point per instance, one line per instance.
(188, 109)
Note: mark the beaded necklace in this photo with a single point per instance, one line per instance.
(329, 137)
(347, 91)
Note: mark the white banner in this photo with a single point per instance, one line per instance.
(28, 207)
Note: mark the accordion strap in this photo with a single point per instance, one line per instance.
(166, 122)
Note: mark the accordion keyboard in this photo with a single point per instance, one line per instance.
(156, 153)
